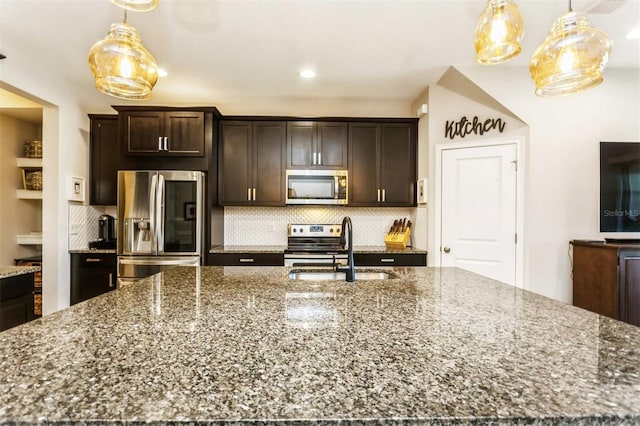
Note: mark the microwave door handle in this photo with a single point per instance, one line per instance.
(336, 187)
(160, 213)
(152, 210)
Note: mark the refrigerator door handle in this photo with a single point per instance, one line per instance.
(152, 212)
(160, 214)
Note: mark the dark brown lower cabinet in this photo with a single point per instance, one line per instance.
(390, 259)
(245, 259)
(16, 300)
(606, 279)
(92, 274)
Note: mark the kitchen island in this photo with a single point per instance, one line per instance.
(243, 344)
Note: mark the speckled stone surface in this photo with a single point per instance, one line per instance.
(280, 249)
(247, 249)
(89, 251)
(12, 271)
(242, 344)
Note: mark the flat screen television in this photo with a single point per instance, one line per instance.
(620, 191)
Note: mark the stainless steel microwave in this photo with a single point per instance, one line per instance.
(317, 187)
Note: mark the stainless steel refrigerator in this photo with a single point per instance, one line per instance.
(160, 221)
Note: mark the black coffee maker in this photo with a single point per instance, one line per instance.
(106, 233)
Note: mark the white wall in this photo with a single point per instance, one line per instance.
(562, 157)
(65, 131)
(17, 217)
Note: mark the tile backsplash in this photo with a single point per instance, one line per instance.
(83, 224)
(268, 225)
(259, 225)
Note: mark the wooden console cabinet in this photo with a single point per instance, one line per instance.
(606, 279)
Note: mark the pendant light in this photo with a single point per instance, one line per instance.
(136, 5)
(121, 65)
(572, 57)
(499, 32)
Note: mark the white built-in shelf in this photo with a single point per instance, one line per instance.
(33, 239)
(26, 194)
(29, 162)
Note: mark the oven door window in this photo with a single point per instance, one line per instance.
(311, 187)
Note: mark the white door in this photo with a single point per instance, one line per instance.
(478, 219)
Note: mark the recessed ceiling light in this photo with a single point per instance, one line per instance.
(307, 73)
(634, 34)
(162, 72)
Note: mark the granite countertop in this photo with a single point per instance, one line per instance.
(217, 344)
(12, 271)
(89, 251)
(280, 249)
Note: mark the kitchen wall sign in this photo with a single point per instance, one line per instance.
(465, 127)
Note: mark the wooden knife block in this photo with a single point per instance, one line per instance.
(397, 240)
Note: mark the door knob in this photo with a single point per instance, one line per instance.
(446, 249)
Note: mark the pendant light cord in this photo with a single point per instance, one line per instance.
(570, 8)
(125, 14)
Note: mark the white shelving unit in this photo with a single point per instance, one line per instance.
(25, 194)
(33, 238)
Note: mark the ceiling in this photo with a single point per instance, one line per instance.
(230, 53)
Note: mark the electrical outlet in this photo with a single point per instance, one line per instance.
(271, 227)
(73, 229)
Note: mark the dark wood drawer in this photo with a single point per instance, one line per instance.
(245, 259)
(95, 259)
(390, 259)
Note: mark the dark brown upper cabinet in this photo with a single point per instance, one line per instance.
(104, 159)
(163, 133)
(382, 164)
(252, 157)
(317, 145)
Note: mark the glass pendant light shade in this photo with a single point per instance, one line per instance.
(572, 57)
(121, 66)
(136, 5)
(499, 32)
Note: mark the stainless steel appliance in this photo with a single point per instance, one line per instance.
(160, 221)
(317, 187)
(314, 245)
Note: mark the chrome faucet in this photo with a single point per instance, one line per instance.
(349, 270)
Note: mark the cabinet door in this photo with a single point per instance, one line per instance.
(185, 133)
(143, 131)
(398, 164)
(92, 275)
(268, 163)
(364, 170)
(301, 145)
(630, 279)
(104, 160)
(235, 167)
(331, 146)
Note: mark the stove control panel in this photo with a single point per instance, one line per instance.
(306, 230)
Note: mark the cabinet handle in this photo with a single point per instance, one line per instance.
(384, 195)
(248, 194)
(92, 260)
(110, 279)
(319, 159)
(314, 158)
(387, 260)
(246, 260)
(166, 143)
(159, 143)
(254, 194)
(378, 194)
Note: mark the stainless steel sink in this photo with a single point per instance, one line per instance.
(339, 276)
